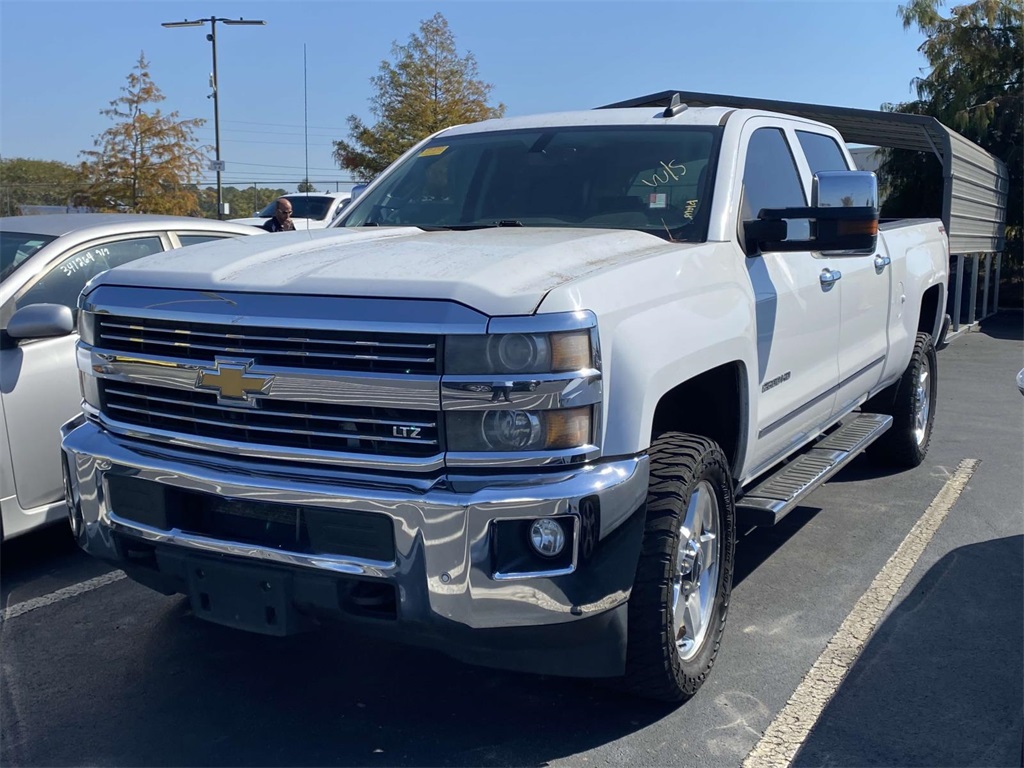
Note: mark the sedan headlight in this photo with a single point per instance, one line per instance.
(515, 353)
(510, 430)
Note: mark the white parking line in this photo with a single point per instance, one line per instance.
(74, 590)
(787, 732)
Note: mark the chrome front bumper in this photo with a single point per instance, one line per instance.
(443, 568)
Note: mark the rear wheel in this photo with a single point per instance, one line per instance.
(911, 403)
(680, 598)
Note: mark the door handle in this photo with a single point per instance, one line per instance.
(830, 277)
(881, 262)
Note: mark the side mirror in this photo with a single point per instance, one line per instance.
(843, 215)
(357, 190)
(41, 321)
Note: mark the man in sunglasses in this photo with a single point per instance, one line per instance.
(281, 221)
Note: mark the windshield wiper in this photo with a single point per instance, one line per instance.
(489, 225)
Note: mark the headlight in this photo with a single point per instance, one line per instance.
(510, 430)
(88, 383)
(87, 327)
(514, 353)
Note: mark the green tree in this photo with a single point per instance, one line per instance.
(306, 186)
(36, 182)
(973, 84)
(148, 161)
(427, 87)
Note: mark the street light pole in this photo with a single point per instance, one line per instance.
(212, 37)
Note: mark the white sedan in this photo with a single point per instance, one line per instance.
(45, 261)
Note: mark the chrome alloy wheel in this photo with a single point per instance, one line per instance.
(922, 402)
(695, 580)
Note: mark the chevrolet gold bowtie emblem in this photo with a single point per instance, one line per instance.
(232, 382)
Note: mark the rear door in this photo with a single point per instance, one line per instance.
(39, 378)
(863, 288)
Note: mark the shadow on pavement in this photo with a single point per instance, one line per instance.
(29, 550)
(1006, 325)
(43, 561)
(754, 547)
(330, 698)
(913, 696)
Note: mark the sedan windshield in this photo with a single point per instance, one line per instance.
(303, 207)
(652, 179)
(18, 247)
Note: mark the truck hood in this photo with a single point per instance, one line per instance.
(497, 271)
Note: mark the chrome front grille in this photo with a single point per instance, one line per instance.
(319, 349)
(337, 381)
(274, 423)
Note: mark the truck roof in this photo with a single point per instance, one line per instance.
(632, 116)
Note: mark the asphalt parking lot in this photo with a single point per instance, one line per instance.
(111, 673)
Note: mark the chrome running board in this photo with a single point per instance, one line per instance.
(769, 502)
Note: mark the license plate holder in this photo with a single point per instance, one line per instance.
(244, 597)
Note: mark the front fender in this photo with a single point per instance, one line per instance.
(662, 321)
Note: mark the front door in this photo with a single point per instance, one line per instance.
(797, 309)
(39, 378)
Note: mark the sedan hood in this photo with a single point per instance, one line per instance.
(497, 271)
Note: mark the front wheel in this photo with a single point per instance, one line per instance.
(680, 597)
(911, 403)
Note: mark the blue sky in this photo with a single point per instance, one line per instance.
(62, 62)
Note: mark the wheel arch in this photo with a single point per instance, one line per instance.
(721, 412)
(932, 311)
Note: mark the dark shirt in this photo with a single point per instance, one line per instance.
(273, 225)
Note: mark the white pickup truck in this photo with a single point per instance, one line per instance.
(519, 403)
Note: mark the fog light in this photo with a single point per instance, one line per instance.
(547, 537)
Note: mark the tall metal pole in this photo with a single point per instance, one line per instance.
(212, 37)
(216, 117)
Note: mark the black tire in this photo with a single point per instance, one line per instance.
(681, 465)
(911, 403)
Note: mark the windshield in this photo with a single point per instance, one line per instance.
(303, 207)
(652, 179)
(18, 247)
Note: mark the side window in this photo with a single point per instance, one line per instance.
(771, 179)
(822, 152)
(187, 240)
(62, 282)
